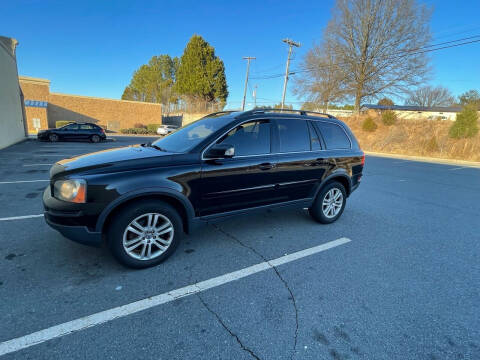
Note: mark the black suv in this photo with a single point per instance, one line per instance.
(74, 131)
(140, 199)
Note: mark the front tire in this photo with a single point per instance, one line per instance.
(144, 234)
(53, 137)
(329, 203)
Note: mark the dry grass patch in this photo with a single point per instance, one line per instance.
(414, 137)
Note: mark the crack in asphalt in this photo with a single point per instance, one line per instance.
(292, 297)
(232, 334)
(220, 320)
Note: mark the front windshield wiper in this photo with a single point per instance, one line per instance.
(149, 144)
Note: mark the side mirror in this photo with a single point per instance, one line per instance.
(220, 151)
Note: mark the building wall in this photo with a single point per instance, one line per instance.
(109, 113)
(12, 127)
(47, 108)
(35, 92)
(426, 115)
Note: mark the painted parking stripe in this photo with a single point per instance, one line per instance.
(21, 181)
(39, 164)
(460, 168)
(20, 217)
(150, 302)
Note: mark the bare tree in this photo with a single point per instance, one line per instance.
(321, 83)
(377, 46)
(431, 96)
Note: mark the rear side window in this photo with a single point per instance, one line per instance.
(333, 135)
(293, 135)
(86, 127)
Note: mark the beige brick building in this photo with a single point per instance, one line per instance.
(44, 109)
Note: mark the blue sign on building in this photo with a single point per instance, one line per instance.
(36, 103)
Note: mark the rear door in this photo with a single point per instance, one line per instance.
(85, 131)
(300, 164)
(247, 179)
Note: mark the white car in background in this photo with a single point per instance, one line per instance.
(166, 129)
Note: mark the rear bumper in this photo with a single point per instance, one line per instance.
(79, 234)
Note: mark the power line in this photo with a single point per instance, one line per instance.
(401, 54)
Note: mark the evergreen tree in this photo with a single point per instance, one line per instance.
(201, 74)
(154, 81)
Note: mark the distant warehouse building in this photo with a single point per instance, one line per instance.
(44, 108)
(418, 112)
(12, 125)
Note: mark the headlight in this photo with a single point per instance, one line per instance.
(70, 190)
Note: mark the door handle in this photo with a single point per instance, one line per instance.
(266, 166)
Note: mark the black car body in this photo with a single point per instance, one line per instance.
(74, 131)
(221, 165)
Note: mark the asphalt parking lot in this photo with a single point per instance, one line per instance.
(397, 277)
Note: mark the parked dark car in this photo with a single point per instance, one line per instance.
(74, 131)
(141, 199)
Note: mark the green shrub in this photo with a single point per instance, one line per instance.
(466, 124)
(369, 124)
(139, 125)
(389, 117)
(152, 128)
(61, 123)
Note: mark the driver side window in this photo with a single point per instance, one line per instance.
(251, 138)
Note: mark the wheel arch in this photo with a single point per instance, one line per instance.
(341, 177)
(178, 201)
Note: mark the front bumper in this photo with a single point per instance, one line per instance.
(80, 234)
(72, 222)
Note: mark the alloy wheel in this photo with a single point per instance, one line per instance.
(332, 203)
(148, 236)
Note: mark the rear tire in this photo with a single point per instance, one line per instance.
(53, 137)
(329, 203)
(95, 139)
(144, 233)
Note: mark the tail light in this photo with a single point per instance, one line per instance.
(102, 130)
(363, 160)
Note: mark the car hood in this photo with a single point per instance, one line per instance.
(112, 160)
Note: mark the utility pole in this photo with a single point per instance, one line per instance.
(248, 58)
(254, 96)
(290, 43)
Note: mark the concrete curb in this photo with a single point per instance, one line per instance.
(472, 164)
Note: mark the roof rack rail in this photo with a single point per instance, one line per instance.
(220, 113)
(301, 112)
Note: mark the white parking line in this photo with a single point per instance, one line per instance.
(21, 181)
(150, 302)
(20, 217)
(39, 164)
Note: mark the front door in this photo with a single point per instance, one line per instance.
(69, 132)
(246, 180)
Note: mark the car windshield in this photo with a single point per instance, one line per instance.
(189, 136)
